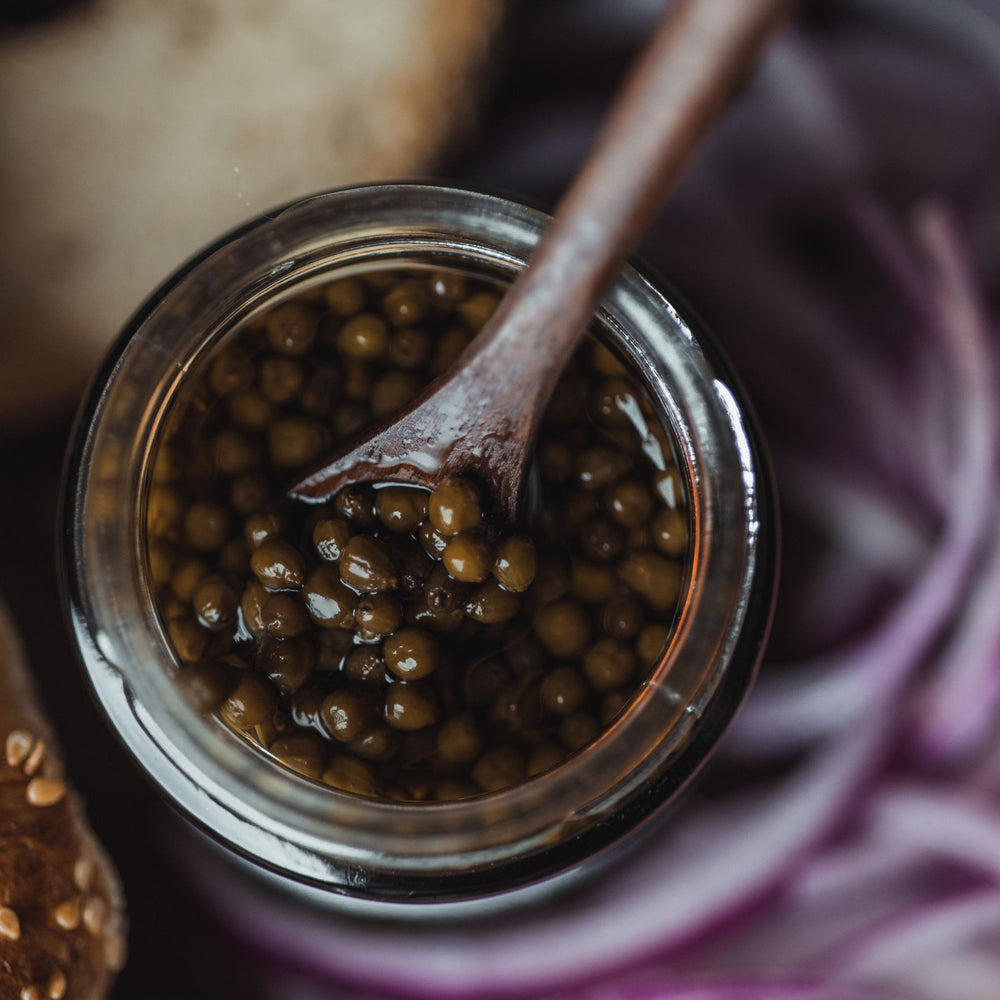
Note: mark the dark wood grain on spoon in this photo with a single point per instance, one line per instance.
(482, 416)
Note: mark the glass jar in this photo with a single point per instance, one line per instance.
(386, 857)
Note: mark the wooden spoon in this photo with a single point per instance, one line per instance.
(482, 416)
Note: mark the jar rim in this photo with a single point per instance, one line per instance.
(441, 849)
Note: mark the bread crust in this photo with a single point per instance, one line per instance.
(134, 132)
(62, 923)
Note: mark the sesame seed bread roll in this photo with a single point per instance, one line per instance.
(62, 925)
(134, 132)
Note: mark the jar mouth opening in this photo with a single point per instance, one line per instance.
(198, 760)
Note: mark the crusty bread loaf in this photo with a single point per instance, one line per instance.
(134, 132)
(62, 927)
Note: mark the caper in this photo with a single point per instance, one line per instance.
(409, 707)
(186, 575)
(629, 502)
(443, 591)
(623, 616)
(287, 663)
(262, 527)
(251, 409)
(453, 507)
(608, 664)
(516, 563)
(214, 602)
(375, 744)
(278, 565)
(378, 615)
(234, 558)
(477, 309)
(392, 391)
(562, 627)
(350, 416)
(669, 531)
(499, 768)
(448, 286)
(411, 653)
(491, 604)
(409, 347)
(458, 740)
(235, 452)
(357, 505)
(232, 371)
(578, 730)
(302, 752)
(467, 557)
(252, 606)
(651, 643)
(345, 714)
(590, 582)
(320, 391)
(206, 684)
(544, 756)
(563, 691)
(252, 703)
(484, 680)
(401, 508)
(365, 565)
(350, 775)
(206, 525)
(601, 539)
(600, 466)
(188, 639)
(345, 296)
(406, 303)
(283, 615)
(364, 665)
(450, 345)
(291, 328)
(280, 379)
(328, 601)
(295, 441)
(432, 540)
(329, 536)
(161, 560)
(364, 337)
(248, 492)
(656, 579)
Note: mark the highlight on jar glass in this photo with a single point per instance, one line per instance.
(395, 693)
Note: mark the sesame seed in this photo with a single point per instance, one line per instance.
(45, 791)
(67, 914)
(10, 925)
(94, 914)
(17, 746)
(115, 951)
(30, 993)
(34, 758)
(83, 873)
(57, 985)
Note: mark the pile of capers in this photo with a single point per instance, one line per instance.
(396, 641)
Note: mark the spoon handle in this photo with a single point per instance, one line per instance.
(702, 51)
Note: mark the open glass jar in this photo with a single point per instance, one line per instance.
(377, 854)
